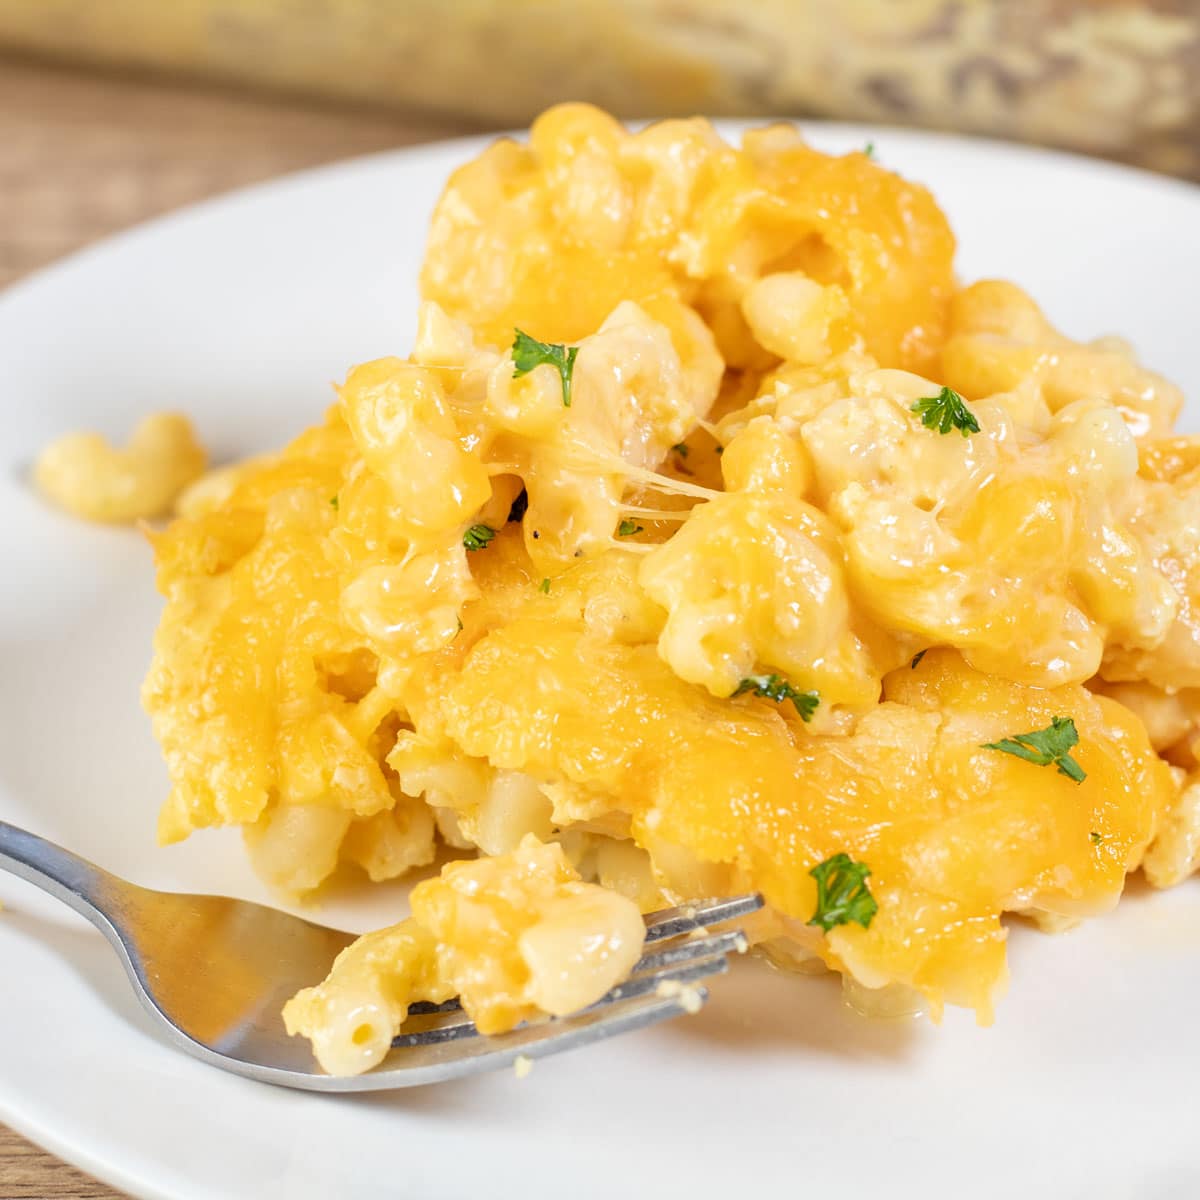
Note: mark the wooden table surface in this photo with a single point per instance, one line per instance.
(84, 155)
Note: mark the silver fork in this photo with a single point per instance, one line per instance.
(214, 974)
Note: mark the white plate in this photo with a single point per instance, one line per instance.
(240, 311)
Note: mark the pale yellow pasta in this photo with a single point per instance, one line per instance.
(353, 1016)
(791, 315)
(436, 770)
(401, 421)
(481, 806)
(294, 846)
(778, 599)
(1171, 717)
(84, 474)
(391, 843)
(1175, 852)
(411, 607)
(1000, 338)
(513, 806)
(623, 866)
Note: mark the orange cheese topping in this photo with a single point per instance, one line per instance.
(346, 674)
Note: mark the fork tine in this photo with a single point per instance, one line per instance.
(670, 922)
(684, 973)
(732, 941)
(439, 1060)
(687, 971)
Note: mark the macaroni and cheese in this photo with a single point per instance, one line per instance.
(712, 539)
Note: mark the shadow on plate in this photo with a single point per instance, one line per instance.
(757, 1007)
(85, 951)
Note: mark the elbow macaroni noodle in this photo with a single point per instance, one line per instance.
(89, 478)
(739, 487)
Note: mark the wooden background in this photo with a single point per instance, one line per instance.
(84, 155)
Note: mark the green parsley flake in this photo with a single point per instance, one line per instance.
(869, 150)
(545, 586)
(916, 662)
(681, 449)
(478, 536)
(1097, 838)
(775, 687)
(628, 529)
(946, 411)
(1046, 746)
(842, 893)
(528, 353)
(333, 501)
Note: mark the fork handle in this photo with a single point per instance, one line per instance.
(69, 878)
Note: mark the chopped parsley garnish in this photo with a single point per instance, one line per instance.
(628, 529)
(1046, 746)
(460, 625)
(842, 893)
(528, 353)
(869, 150)
(1097, 838)
(916, 662)
(478, 536)
(775, 687)
(545, 586)
(946, 411)
(519, 506)
(333, 501)
(681, 449)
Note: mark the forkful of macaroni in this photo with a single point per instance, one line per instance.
(522, 950)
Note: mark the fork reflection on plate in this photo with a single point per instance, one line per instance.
(214, 973)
